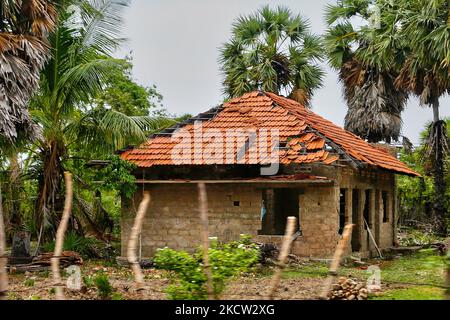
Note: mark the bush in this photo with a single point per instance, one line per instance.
(87, 247)
(227, 261)
(104, 287)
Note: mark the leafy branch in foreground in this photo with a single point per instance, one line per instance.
(226, 260)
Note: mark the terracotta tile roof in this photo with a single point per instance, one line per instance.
(304, 137)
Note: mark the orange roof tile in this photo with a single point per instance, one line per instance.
(226, 136)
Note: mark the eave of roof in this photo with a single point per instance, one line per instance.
(284, 179)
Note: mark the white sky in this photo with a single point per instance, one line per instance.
(175, 44)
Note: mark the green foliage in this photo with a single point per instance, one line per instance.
(104, 287)
(417, 194)
(374, 102)
(88, 281)
(87, 247)
(13, 296)
(29, 283)
(118, 176)
(226, 261)
(116, 296)
(74, 128)
(123, 94)
(272, 50)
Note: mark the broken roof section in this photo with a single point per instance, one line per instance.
(302, 137)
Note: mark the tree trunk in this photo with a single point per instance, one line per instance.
(49, 204)
(59, 243)
(136, 230)
(3, 259)
(14, 176)
(439, 207)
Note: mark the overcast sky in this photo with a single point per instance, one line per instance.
(175, 46)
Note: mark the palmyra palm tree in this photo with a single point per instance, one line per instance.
(374, 103)
(426, 74)
(272, 50)
(86, 35)
(411, 44)
(24, 26)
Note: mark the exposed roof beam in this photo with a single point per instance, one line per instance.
(260, 181)
(353, 163)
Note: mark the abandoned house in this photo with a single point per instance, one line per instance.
(263, 158)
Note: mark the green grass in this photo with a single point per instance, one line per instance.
(421, 275)
(424, 268)
(412, 293)
(313, 270)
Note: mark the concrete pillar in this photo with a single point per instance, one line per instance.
(395, 205)
(348, 206)
(361, 224)
(372, 217)
(379, 207)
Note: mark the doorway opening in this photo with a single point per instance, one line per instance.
(277, 206)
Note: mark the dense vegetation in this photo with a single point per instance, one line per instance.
(87, 106)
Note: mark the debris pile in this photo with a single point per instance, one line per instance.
(67, 258)
(44, 261)
(348, 289)
(270, 252)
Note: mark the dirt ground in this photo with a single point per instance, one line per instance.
(419, 276)
(38, 286)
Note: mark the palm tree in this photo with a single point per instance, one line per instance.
(82, 44)
(272, 50)
(374, 103)
(411, 44)
(24, 26)
(425, 74)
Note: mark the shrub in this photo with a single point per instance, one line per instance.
(226, 261)
(86, 247)
(104, 287)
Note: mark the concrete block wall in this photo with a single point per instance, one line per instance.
(319, 222)
(173, 219)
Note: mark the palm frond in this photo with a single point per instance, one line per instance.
(271, 50)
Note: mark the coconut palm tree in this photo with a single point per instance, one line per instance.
(272, 50)
(87, 33)
(374, 103)
(24, 26)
